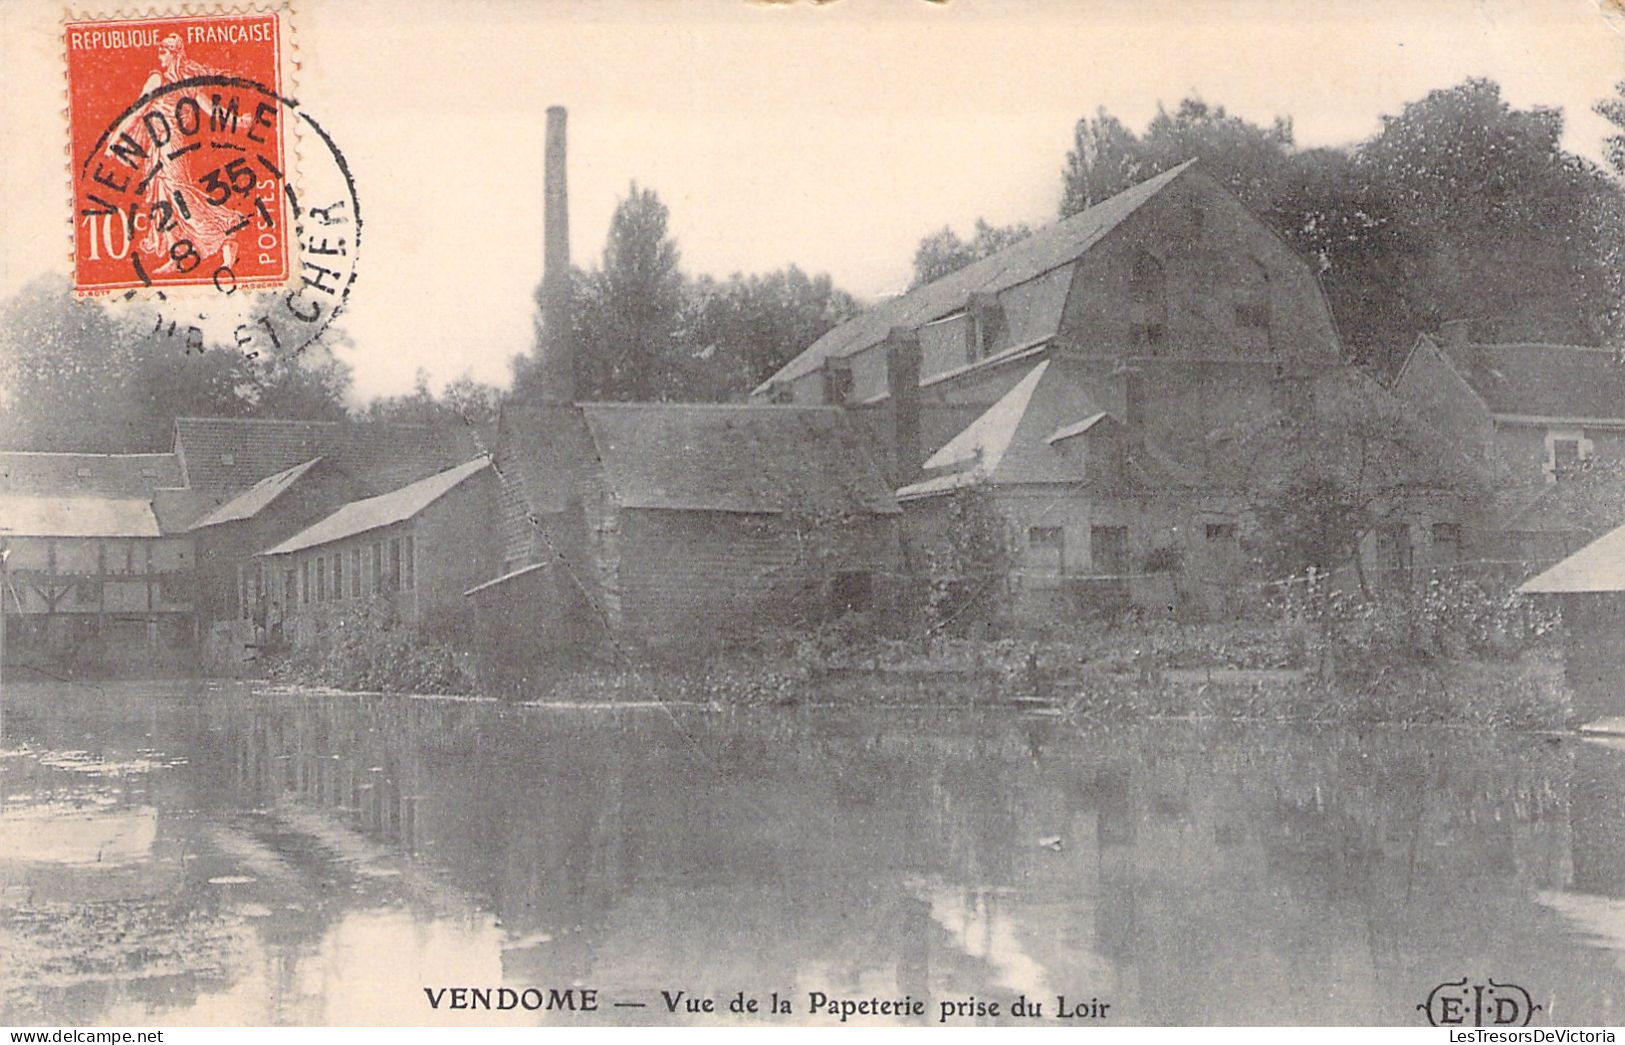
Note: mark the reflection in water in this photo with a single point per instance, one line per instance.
(224, 856)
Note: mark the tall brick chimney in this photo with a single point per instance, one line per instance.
(903, 394)
(558, 328)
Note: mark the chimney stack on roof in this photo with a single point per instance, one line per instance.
(903, 392)
(558, 328)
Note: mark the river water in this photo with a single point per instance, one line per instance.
(178, 853)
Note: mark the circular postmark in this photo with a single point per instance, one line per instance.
(190, 194)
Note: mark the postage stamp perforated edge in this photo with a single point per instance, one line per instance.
(288, 63)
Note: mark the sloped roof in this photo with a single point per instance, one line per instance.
(253, 500)
(1076, 429)
(104, 475)
(1536, 380)
(31, 515)
(983, 443)
(1045, 250)
(383, 510)
(1022, 439)
(1598, 567)
(735, 458)
(227, 455)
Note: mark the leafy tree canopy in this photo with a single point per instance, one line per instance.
(76, 376)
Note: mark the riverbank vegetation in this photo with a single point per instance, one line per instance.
(1452, 651)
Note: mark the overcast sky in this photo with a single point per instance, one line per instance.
(830, 136)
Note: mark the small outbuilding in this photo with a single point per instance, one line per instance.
(414, 551)
(1590, 590)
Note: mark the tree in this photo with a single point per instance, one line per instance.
(741, 331)
(630, 310)
(1499, 213)
(1106, 158)
(77, 375)
(462, 401)
(944, 252)
(645, 331)
(1613, 110)
(1320, 475)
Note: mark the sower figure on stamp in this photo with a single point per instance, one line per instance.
(194, 225)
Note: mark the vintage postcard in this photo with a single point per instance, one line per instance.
(869, 513)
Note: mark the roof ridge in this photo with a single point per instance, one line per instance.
(360, 422)
(87, 453)
(1543, 344)
(711, 406)
(1022, 262)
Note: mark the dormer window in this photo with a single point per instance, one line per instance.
(837, 380)
(1567, 451)
(986, 326)
(228, 460)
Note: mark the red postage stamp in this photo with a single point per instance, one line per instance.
(178, 151)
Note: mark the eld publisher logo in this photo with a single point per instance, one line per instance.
(1488, 1004)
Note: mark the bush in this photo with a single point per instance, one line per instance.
(372, 650)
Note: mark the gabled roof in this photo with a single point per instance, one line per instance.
(1537, 380)
(384, 510)
(1598, 567)
(1026, 436)
(735, 458)
(1015, 440)
(1077, 429)
(30, 515)
(223, 456)
(253, 500)
(983, 443)
(70, 475)
(1044, 251)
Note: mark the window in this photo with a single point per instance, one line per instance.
(290, 587)
(1253, 297)
(411, 567)
(1148, 308)
(837, 380)
(377, 567)
(355, 574)
(172, 589)
(129, 557)
(304, 582)
(851, 591)
(1108, 550)
(87, 592)
(1051, 537)
(242, 591)
(1394, 554)
(1447, 542)
(338, 576)
(1566, 456)
(321, 578)
(394, 564)
(1217, 532)
(1147, 335)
